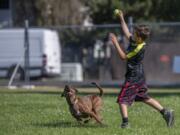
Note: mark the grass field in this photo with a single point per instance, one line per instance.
(43, 112)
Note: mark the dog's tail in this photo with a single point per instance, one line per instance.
(100, 89)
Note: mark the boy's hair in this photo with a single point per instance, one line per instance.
(142, 31)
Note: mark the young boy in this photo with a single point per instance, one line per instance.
(134, 88)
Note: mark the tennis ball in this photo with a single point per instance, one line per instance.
(117, 12)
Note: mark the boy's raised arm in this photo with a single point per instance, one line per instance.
(124, 25)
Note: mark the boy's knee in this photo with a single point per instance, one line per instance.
(147, 100)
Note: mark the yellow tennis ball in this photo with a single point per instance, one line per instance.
(117, 12)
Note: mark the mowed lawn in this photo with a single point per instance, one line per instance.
(43, 112)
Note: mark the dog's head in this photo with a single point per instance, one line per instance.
(68, 91)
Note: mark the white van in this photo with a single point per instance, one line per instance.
(44, 49)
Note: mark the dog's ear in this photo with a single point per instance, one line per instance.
(65, 89)
(62, 95)
(76, 90)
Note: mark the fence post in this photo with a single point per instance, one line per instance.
(26, 53)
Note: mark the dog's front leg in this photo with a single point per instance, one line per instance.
(92, 114)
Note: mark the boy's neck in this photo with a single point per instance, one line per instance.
(139, 42)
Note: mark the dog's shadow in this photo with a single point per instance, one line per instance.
(69, 124)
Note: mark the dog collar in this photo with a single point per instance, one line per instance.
(76, 100)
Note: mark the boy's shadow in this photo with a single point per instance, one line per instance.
(69, 124)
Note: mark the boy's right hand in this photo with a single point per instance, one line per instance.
(118, 13)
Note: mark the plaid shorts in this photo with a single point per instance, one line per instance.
(132, 92)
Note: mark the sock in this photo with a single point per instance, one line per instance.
(125, 120)
(163, 111)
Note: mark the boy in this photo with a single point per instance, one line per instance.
(134, 88)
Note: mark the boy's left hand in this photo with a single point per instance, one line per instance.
(113, 38)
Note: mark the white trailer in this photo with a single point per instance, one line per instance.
(44, 52)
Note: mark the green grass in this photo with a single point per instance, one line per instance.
(44, 112)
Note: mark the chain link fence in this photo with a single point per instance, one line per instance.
(90, 46)
(88, 54)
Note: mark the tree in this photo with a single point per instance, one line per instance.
(48, 12)
(149, 10)
(165, 10)
(24, 10)
(101, 11)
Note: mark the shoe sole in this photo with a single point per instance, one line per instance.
(171, 120)
(125, 126)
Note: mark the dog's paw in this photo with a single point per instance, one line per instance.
(104, 125)
(84, 120)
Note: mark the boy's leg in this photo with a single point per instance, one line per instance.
(154, 103)
(124, 111)
(167, 114)
(124, 114)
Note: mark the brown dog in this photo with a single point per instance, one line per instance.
(85, 107)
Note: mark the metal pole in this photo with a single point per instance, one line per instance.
(13, 75)
(26, 52)
(130, 23)
(10, 13)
